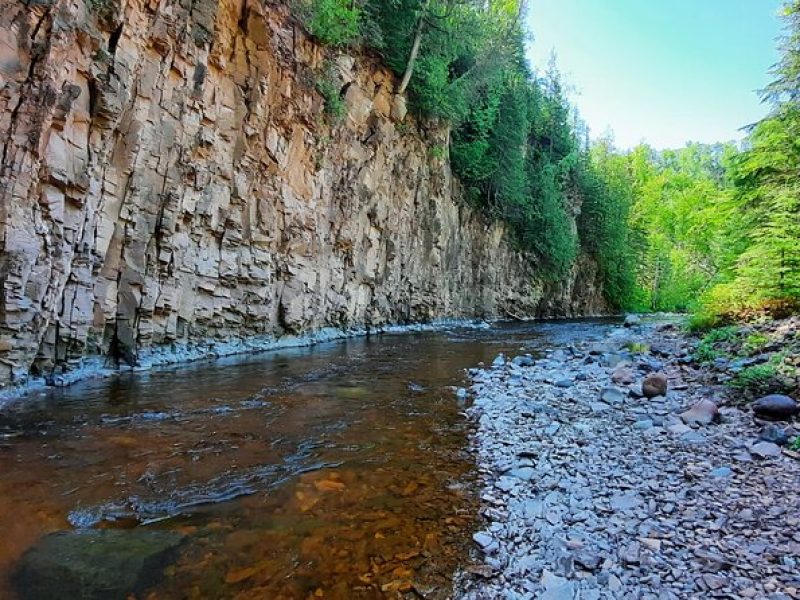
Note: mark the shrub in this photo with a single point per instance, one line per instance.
(334, 105)
(758, 378)
(754, 342)
(332, 22)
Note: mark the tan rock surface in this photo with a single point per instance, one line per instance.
(168, 176)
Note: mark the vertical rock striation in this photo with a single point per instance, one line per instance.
(168, 176)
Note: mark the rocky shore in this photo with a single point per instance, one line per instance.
(622, 469)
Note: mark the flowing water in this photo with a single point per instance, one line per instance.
(336, 471)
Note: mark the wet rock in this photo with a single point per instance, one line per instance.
(525, 360)
(499, 361)
(96, 564)
(775, 407)
(632, 321)
(703, 412)
(564, 383)
(773, 433)
(655, 385)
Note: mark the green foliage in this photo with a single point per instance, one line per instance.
(721, 334)
(332, 22)
(607, 196)
(701, 321)
(437, 152)
(757, 247)
(794, 444)
(758, 378)
(707, 351)
(334, 105)
(637, 347)
(754, 342)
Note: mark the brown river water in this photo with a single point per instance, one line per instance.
(336, 471)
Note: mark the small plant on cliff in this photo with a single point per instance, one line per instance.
(334, 105)
(332, 22)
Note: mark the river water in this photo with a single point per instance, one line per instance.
(336, 471)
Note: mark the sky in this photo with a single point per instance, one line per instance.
(661, 71)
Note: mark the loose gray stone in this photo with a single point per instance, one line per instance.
(765, 449)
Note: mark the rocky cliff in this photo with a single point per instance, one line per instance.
(170, 176)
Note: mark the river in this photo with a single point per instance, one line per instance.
(336, 471)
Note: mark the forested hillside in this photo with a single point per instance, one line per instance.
(706, 228)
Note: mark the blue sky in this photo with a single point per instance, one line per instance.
(661, 71)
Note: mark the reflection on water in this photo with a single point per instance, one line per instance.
(337, 471)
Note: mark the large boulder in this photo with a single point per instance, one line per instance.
(96, 564)
(654, 385)
(775, 407)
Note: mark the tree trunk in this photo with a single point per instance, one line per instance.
(412, 57)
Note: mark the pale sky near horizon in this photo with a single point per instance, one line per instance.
(661, 71)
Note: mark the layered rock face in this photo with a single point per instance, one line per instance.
(169, 176)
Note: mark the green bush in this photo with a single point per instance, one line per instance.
(701, 321)
(332, 22)
(705, 353)
(721, 334)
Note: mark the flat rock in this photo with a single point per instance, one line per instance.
(611, 395)
(765, 449)
(95, 564)
(625, 502)
(623, 375)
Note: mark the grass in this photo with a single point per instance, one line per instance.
(637, 347)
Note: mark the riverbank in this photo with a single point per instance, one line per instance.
(185, 353)
(593, 490)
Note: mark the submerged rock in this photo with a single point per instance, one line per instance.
(775, 407)
(98, 564)
(655, 385)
